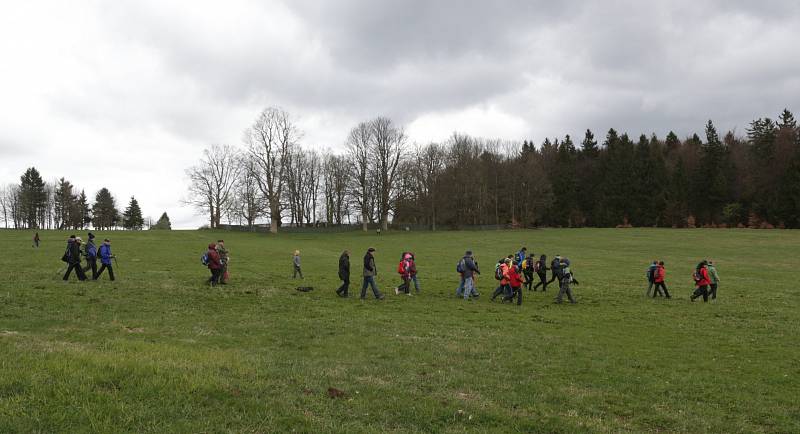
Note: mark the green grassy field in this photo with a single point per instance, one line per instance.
(160, 351)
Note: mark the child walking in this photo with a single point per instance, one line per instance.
(296, 265)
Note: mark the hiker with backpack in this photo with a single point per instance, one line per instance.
(211, 259)
(701, 281)
(90, 252)
(296, 265)
(72, 256)
(344, 274)
(527, 270)
(515, 284)
(713, 281)
(520, 256)
(105, 260)
(565, 279)
(370, 271)
(651, 274)
(501, 274)
(540, 268)
(658, 279)
(223, 260)
(404, 270)
(468, 268)
(555, 265)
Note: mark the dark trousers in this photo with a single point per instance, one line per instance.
(91, 264)
(214, 279)
(658, 287)
(405, 287)
(297, 271)
(78, 271)
(650, 284)
(555, 276)
(701, 290)
(502, 289)
(515, 292)
(344, 288)
(713, 291)
(529, 279)
(543, 281)
(103, 267)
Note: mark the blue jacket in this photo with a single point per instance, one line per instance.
(519, 257)
(105, 254)
(91, 249)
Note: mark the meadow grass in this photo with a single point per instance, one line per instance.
(161, 351)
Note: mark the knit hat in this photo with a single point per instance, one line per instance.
(91, 236)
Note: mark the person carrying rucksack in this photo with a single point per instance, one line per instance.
(90, 252)
(713, 281)
(527, 270)
(651, 275)
(501, 272)
(566, 278)
(701, 281)
(521, 256)
(658, 278)
(72, 256)
(105, 260)
(515, 284)
(404, 270)
(214, 264)
(413, 272)
(540, 268)
(555, 266)
(468, 268)
(344, 274)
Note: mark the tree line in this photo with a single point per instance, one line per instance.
(36, 204)
(381, 178)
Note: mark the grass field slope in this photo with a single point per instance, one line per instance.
(161, 351)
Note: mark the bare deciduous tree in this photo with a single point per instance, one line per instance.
(388, 143)
(359, 156)
(335, 178)
(212, 181)
(270, 140)
(248, 203)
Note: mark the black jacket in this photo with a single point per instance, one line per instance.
(74, 250)
(369, 265)
(344, 267)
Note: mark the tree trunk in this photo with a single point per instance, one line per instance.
(275, 217)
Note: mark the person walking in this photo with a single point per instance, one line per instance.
(223, 260)
(504, 287)
(344, 274)
(73, 258)
(413, 272)
(701, 281)
(658, 279)
(370, 271)
(105, 260)
(296, 265)
(515, 284)
(214, 264)
(90, 252)
(520, 256)
(555, 265)
(651, 274)
(36, 240)
(527, 270)
(540, 268)
(714, 281)
(469, 268)
(566, 279)
(403, 269)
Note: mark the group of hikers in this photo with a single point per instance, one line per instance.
(73, 253)
(216, 259)
(515, 272)
(705, 276)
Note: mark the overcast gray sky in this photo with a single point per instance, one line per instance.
(127, 94)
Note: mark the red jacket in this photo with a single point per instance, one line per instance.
(504, 271)
(704, 280)
(660, 273)
(213, 258)
(514, 278)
